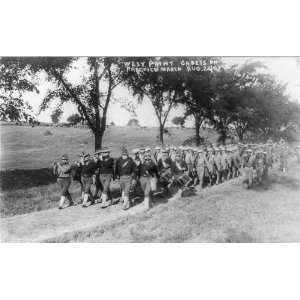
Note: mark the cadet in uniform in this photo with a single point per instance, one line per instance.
(164, 170)
(218, 165)
(200, 166)
(148, 174)
(63, 172)
(106, 167)
(125, 171)
(212, 167)
(157, 154)
(225, 164)
(179, 171)
(172, 152)
(88, 169)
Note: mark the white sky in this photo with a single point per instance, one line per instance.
(284, 68)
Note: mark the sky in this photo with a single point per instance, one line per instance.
(284, 69)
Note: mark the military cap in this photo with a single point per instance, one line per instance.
(157, 148)
(147, 149)
(103, 150)
(82, 154)
(97, 151)
(124, 151)
(200, 150)
(65, 157)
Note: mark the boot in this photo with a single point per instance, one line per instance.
(105, 201)
(147, 203)
(122, 198)
(85, 202)
(71, 202)
(61, 202)
(126, 203)
(178, 194)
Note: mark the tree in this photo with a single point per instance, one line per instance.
(14, 82)
(92, 94)
(178, 121)
(56, 115)
(200, 93)
(163, 89)
(74, 119)
(250, 101)
(133, 122)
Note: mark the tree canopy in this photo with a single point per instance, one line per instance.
(237, 101)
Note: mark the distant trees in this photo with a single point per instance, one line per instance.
(251, 101)
(74, 119)
(56, 115)
(133, 122)
(239, 101)
(178, 121)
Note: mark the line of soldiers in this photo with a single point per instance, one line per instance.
(163, 168)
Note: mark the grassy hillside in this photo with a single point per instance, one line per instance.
(23, 147)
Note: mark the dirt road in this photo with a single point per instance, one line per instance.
(47, 224)
(223, 213)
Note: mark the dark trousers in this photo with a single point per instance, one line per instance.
(64, 184)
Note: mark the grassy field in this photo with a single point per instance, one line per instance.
(224, 213)
(23, 147)
(27, 183)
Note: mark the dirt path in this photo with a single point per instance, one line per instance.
(47, 224)
(283, 215)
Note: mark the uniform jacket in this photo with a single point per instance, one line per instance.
(178, 167)
(125, 167)
(88, 169)
(63, 170)
(146, 170)
(106, 166)
(211, 164)
(163, 165)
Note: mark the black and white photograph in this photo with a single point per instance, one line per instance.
(149, 150)
(163, 149)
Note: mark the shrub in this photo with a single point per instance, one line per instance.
(48, 132)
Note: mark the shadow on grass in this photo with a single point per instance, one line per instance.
(236, 236)
(279, 179)
(27, 178)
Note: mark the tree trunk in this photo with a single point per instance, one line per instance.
(161, 134)
(241, 136)
(98, 138)
(197, 128)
